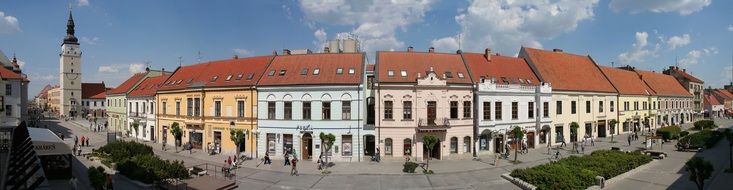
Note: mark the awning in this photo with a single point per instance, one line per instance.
(46, 142)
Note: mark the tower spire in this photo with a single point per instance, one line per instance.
(70, 38)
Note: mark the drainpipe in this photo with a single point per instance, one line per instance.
(475, 119)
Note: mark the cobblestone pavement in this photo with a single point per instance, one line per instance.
(466, 173)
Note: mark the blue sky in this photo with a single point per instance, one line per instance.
(120, 37)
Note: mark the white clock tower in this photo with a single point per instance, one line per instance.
(70, 72)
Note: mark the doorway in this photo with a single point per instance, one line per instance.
(530, 140)
(306, 144)
(152, 133)
(432, 112)
(369, 146)
(601, 129)
(498, 144)
(435, 152)
(217, 142)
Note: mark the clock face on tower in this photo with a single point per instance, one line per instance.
(72, 76)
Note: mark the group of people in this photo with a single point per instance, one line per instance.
(78, 144)
(292, 162)
(211, 149)
(632, 137)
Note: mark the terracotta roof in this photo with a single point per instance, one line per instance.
(127, 85)
(663, 85)
(370, 67)
(710, 100)
(44, 92)
(567, 71)
(722, 93)
(9, 74)
(686, 75)
(626, 82)
(502, 68)
(93, 91)
(321, 69)
(243, 72)
(445, 65)
(148, 86)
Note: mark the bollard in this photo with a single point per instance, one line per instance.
(600, 181)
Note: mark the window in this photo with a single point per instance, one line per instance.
(271, 73)
(229, 78)
(304, 71)
(326, 109)
(558, 108)
(403, 73)
(197, 107)
(387, 109)
(612, 106)
(644, 105)
(8, 110)
(189, 106)
(165, 109)
(636, 105)
(654, 105)
(454, 109)
(345, 112)
(306, 110)
(178, 108)
(497, 110)
(217, 108)
(466, 109)
(288, 110)
(515, 112)
(339, 71)
(214, 78)
(448, 74)
(454, 145)
(466, 144)
(282, 72)
(600, 107)
(144, 107)
(546, 109)
(407, 110)
(152, 107)
(316, 71)
(530, 110)
(95, 103)
(388, 146)
(407, 144)
(240, 108)
(250, 76)
(487, 110)
(346, 145)
(270, 110)
(559, 134)
(460, 75)
(271, 143)
(587, 106)
(573, 107)
(352, 71)
(390, 73)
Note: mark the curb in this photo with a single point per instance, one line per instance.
(519, 182)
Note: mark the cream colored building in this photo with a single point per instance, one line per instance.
(636, 101)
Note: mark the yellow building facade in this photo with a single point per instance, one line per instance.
(231, 108)
(636, 113)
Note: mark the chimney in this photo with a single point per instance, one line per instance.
(557, 50)
(326, 50)
(487, 54)
(274, 52)
(286, 52)
(236, 57)
(409, 49)
(431, 50)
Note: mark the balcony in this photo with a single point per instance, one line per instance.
(433, 124)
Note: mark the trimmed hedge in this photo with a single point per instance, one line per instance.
(409, 167)
(684, 133)
(702, 139)
(580, 172)
(119, 151)
(669, 132)
(150, 168)
(705, 124)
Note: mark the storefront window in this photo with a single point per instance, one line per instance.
(346, 145)
(287, 142)
(558, 134)
(467, 144)
(408, 147)
(484, 141)
(271, 143)
(388, 146)
(454, 145)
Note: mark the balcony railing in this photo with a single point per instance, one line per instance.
(433, 122)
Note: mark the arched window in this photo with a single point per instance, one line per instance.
(408, 146)
(454, 145)
(388, 146)
(466, 144)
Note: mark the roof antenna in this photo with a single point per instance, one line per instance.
(459, 41)
(180, 59)
(612, 64)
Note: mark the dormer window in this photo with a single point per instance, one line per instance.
(214, 78)
(189, 81)
(352, 71)
(239, 77)
(448, 75)
(250, 76)
(403, 73)
(272, 73)
(316, 71)
(460, 75)
(229, 78)
(304, 71)
(179, 81)
(339, 71)
(390, 73)
(282, 72)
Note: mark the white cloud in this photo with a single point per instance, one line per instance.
(683, 7)
(639, 50)
(678, 41)
(320, 35)
(694, 56)
(108, 69)
(35, 77)
(725, 76)
(506, 25)
(446, 44)
(117, 68)
(242, 52)
(89, 40)
(136, 68)
(730, 28)
(8, 24)
(376, 21)
(21, 63)
(82, 3)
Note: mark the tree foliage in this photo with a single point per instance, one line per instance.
(699, 169)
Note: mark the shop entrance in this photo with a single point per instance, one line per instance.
(306, 144)
(369, 146)
(530, 140)
(435, 152)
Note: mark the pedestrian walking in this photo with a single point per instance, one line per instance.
(82, 140)
(87, 141)
(287, 159)
(76, 140)
(229, 160)
(267, 159)
(320, 162)
(294, 167)
(378, 155)
(563, 143)
(629, 139)
(163, 147)
(582, 148)
(190, 148)
(592, 142)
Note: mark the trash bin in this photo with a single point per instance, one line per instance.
(601, 181)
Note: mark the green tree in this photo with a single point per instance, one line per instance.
(96, 177)
(430, 142)
(136, 127)
(574, 131)
(729, 136)
(699, 169)
(612, 123)
(327, 140)
(177, 133)
(518, 135)
(237, 136)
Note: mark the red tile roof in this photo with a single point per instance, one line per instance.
(9, 74)
(626, 82)
(663, 85)
(370, 67)
(722, 93)
(243, 72)
(127, 85)
(420, 62)
(567, 71)
(44, 92)
(93, 91)
(503, 68)
(300, 69)
(148, 87)
(710, 100)
(686, 75)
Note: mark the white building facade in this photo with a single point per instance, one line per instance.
(141, 111)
